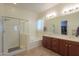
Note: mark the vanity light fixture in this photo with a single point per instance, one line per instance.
(71, 9)
(14, 3)
(76, 8)
(53, 14)
(64, 11)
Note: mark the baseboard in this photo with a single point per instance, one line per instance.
(34, 44)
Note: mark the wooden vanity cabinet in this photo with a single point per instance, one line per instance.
(61, 46)
(73, 48)
(44, 41)
(47, 42)
(68, 48)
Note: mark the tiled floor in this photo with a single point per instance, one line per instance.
(38, 51)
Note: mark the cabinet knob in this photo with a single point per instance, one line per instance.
(70, 45)
(66, 45)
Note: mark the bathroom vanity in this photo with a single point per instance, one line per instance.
(62, 44)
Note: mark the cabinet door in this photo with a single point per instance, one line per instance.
(63, 47)
(55, 44)
(49, 42)
(73, 49)
(44, 42)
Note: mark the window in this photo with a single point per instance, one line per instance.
(40, 25)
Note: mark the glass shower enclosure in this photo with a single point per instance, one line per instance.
(10, 35)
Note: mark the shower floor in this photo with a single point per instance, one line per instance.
(13, 49)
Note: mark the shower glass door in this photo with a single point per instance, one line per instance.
(1, 36)
(23, 33)
(11, 35)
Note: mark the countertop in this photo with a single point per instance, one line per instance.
(64, 37)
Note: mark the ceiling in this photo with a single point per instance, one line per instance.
(35, 7)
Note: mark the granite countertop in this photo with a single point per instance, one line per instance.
(64, 37)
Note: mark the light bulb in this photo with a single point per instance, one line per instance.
(53, 14)
(14, 3)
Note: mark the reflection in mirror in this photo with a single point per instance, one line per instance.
(45, 28)
(64, 27)
(77, 32)
(54, 29)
